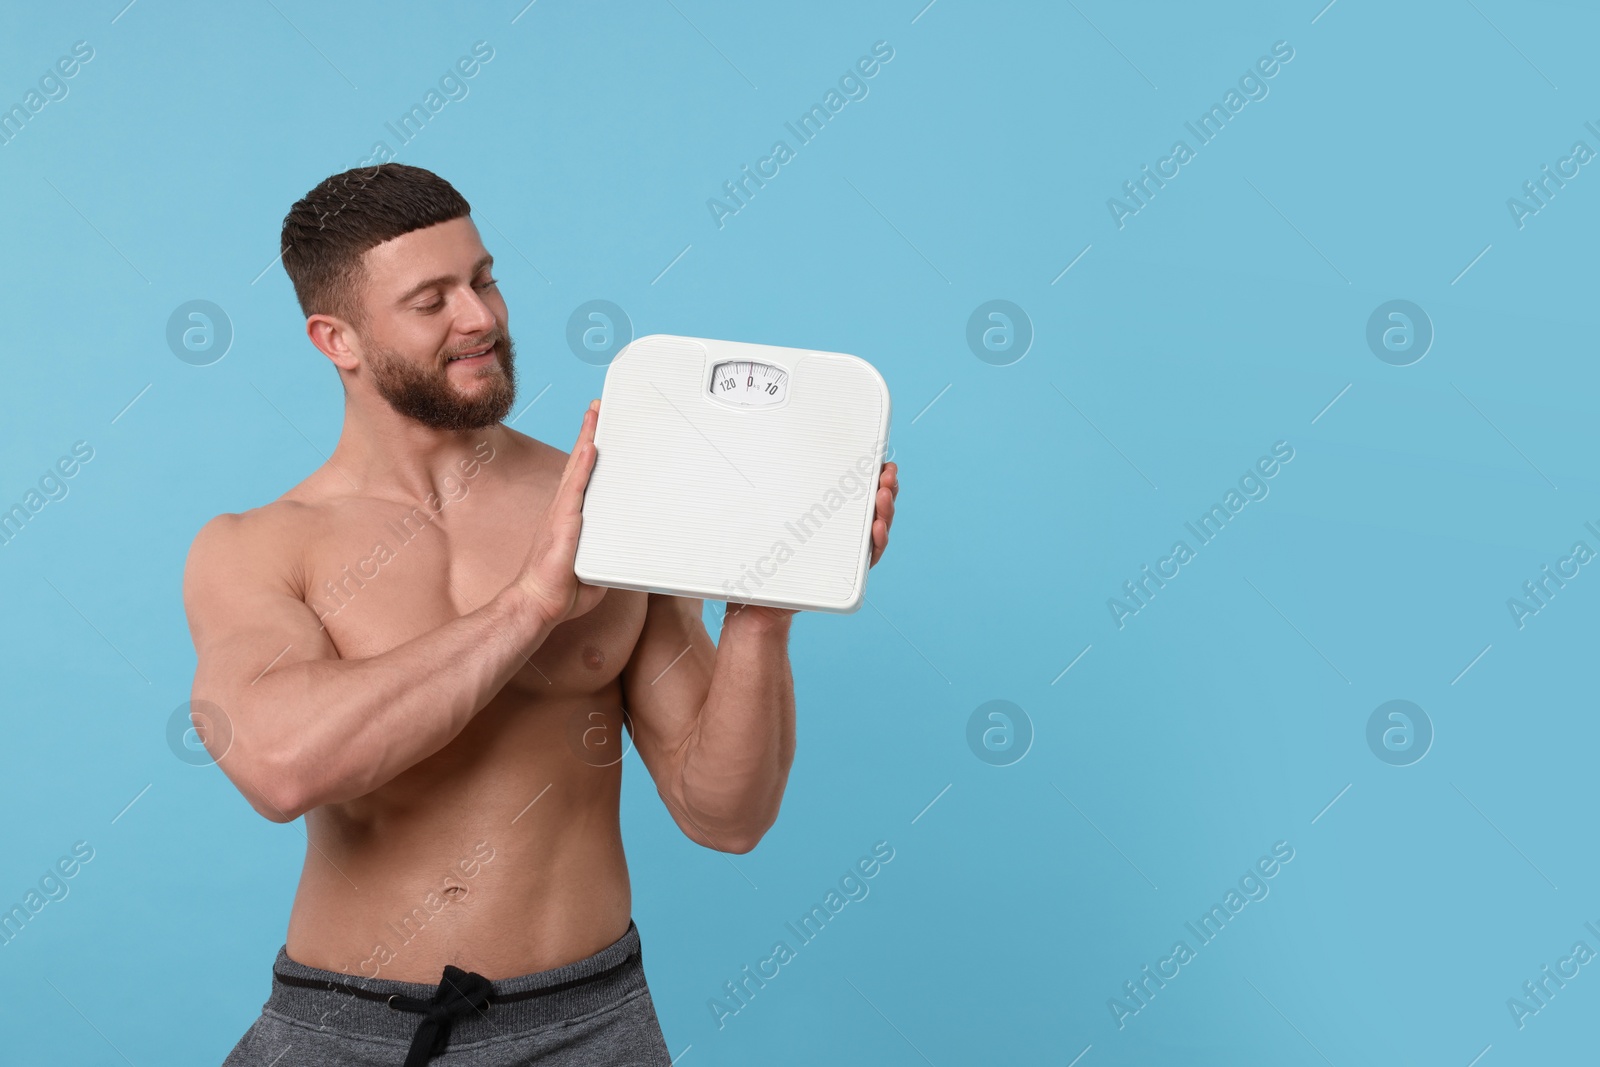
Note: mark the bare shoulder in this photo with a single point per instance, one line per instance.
(532, 449)
(244, 597)
(247, 548)
(533, 459)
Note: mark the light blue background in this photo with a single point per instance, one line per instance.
(1223, 317)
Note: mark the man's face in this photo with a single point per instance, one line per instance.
(436, 340)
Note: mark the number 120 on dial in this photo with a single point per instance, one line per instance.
(749, 383)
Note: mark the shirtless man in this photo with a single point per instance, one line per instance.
(398, 649)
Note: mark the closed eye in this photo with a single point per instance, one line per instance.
(428, 309)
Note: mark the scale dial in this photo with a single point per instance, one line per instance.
(749, 383)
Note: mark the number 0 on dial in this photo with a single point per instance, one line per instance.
(749, 383)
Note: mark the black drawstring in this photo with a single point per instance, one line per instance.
(459, 994)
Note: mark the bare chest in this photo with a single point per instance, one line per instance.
(380, 574)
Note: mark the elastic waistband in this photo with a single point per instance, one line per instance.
(355, 1004)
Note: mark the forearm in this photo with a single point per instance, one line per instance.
(735, 762)
(338, 729)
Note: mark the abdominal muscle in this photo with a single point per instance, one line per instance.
(500, 854)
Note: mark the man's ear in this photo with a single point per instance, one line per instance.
(333, 337)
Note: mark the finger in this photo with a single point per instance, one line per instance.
(886, 506)
(889, 477)
(584, 433)
(583, 451)
(568, 500)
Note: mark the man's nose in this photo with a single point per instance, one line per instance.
(476, 316)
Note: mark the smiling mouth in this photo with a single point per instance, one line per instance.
(477, 353)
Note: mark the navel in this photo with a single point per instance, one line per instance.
(455, 892)
(593, 658)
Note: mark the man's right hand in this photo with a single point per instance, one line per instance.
(547, 578)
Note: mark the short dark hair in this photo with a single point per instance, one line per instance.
(328, 229)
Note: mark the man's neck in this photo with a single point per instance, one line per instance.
(389, 455)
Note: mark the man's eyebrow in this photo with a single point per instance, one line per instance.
(486, 261)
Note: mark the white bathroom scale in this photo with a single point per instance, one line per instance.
(736, 472)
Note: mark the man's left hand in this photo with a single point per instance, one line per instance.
(882, 519)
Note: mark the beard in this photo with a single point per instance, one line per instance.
(426, 394)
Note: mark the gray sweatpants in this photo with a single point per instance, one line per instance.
(595, 1011)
